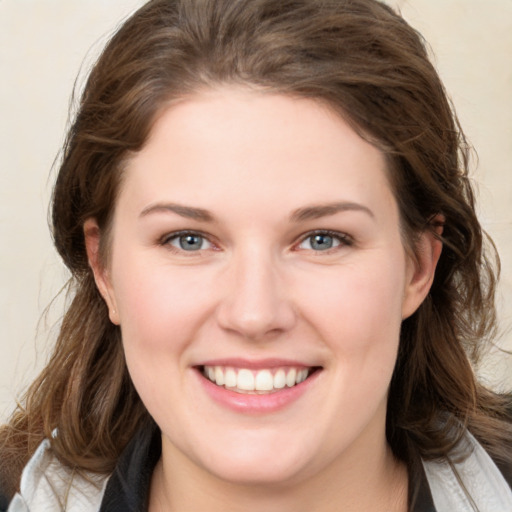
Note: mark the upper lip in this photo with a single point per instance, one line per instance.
(256, 364)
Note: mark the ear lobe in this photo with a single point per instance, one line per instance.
(92, 235)
(422, 267)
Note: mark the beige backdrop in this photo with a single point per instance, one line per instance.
(42, 48)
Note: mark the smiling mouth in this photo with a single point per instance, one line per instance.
(260, 382)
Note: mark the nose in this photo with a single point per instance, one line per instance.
(255, 304)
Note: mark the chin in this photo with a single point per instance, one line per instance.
(253, 461)
(255, 473)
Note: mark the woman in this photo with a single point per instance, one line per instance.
(280, 280)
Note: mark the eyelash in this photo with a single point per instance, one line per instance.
(343, 240)
(167, 239)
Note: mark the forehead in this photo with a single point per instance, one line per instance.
(254, 146)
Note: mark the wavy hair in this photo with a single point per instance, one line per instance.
(365, 62)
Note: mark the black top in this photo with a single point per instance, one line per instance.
(128, 487)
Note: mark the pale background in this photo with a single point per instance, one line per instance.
(45, 43)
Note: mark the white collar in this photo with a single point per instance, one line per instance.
(476, 476)
(48, 485)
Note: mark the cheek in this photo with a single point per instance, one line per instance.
(159, 306)
(357, 314)
(161, 310)
(358, 305)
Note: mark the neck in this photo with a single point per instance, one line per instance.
(376, 481)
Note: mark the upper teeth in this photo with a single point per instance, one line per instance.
(243, 380)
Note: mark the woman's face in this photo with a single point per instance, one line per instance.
(256, 243)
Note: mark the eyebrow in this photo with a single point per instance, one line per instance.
(300, 215)
(324, 210)
(188, 212)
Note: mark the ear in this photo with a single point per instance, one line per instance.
(422, 266)
(92, 236)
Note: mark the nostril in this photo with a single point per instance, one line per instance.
(255, 322)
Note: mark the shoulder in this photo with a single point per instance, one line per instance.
(506, 470)
(475, 478)
(45, 482)
(3, 499)
(506, 466)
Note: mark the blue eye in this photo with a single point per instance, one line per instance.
(323, 241)
(189, 242)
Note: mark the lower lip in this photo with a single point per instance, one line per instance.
(256, 404)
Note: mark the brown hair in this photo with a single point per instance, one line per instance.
(368, 64)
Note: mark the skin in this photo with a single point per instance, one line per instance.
(258, 289)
